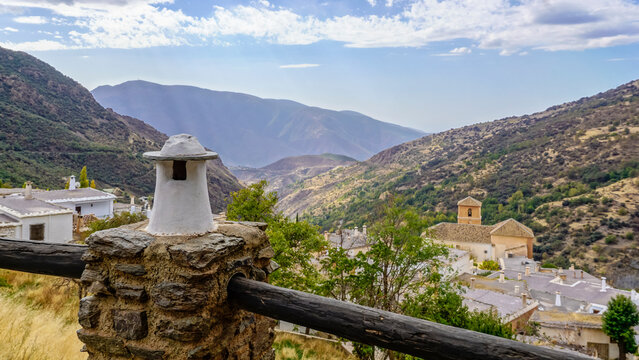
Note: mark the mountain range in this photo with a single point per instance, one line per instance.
(569, 172)
(250, 131)
(51, 126)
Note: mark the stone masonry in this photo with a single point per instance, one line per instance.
(164, 297)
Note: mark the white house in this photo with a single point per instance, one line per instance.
(83, 201)
(27, 218)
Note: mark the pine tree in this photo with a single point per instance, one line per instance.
(92, 184)
(84, 182)
(66, 186)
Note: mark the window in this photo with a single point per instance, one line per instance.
(36, 232)
(470, 212)
(179, 170)
(78, 209)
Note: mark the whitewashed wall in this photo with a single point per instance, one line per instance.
(57, 228)
(101, 208)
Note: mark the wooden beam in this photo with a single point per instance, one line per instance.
(381, 328)
(42, 258)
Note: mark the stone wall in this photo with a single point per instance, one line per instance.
(165, 297)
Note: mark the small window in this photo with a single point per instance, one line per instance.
(78, 209)
(470, 212)
(179, 170)
(36, 232)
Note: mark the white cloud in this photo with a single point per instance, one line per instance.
(372, 2)
(30, 20)
(10, 29)
(503, 25)
(461, 51)
(40, 45)
(298, 66)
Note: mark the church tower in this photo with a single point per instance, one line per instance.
(469, 211)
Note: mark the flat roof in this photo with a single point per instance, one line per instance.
(16, 205)
(82, 194)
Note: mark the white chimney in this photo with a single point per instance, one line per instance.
(472, 282)
(502, 278)
(28, 194)
(516, 289)
(72, 184)
(132, 204)
(603, 284)
(356, 230)
(364, 229)
(181, 202)
(558, 298)
(519, 276)
(527, 270)
(524, 299)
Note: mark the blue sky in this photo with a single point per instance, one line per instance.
(427, 64)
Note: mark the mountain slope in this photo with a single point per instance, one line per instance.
(544, 169)
(263, 130)
(285, 172)
(50, 126)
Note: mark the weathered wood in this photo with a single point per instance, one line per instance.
(381, 328)
(42, 258)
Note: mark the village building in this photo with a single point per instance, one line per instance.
(352, 240)
(84, 201)
(26, 218)
(514, 309)
(484, 242)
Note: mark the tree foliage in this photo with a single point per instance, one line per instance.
(618, 323)
(84, 181)
(252, 204)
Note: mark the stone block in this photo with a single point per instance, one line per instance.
(90, 257)
(253, 236)
(131, 269)
(146, 354)
(103, 344)
(130, 292)
(130, 324)
(236, 263)
(272, 267)
(201, 252)
(266, 253)
(185, 330)
(200, 353)
(89, 313)
(178, 296)
(89, 275)
(119, 242)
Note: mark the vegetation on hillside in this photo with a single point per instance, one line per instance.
(551, 170)
(618, 323)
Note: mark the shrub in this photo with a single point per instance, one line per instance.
(114, 222)
(622, 211)
(611, 239)
(630, 235)
(548, 265)
(489, 265)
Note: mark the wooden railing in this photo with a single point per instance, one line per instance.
(350, 321)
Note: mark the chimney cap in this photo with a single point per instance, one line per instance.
(181, 147)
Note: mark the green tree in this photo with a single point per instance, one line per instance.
(618, 323)
(294, 242)
(84, 182)
(92, 184)
(66, 185)
(252, 204)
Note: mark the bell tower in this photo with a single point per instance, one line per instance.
(469, 211)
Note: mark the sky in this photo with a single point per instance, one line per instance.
(431, 65)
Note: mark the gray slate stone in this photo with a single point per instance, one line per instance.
(119, 242)
(130, 292)
(266, 253)
(103, 344)
(185, 330)
(146, 354)
(131, 325)
(236, 263)
(89, 313)
(272, 267)
(201, 252)
(178, 296)
(200, 353)
(131, 269)
(90, 275)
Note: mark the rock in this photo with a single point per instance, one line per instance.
(185, 330)
(90, 275)
(178, 297)
(130, 292)
(118, 242)
(131, 269)
(253, 236)
(259, 274)
(146, 354)
(131, 325)
(260, 225)
(103, 344)
(201, 252)
(266, 253)
(272, 267)
(90, 257)
(99, 288)
(89, 313)
(199, 353)
(234, 264)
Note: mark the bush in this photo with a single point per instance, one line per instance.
(611, 239)
(489, 265)
(622, 211)
(548, 265)
(630, 235)
(114, 222)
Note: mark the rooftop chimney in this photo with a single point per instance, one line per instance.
(181, 201)
(558, 298)
(502, 278)
(536, 267)
(519, 276)
(72, 184)
(603, 284)
(524, 299)
(516, 289)
(28, 194)
(472, 282)
(364, 229)
(527, 270)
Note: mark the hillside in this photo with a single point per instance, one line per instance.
(50, 126)
(263, 130)
(551, 170)
(285, 172)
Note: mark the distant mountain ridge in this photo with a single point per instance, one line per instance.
(288, 171)
(51, 126)
(250, 131)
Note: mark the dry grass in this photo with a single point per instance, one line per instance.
(296, 347)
